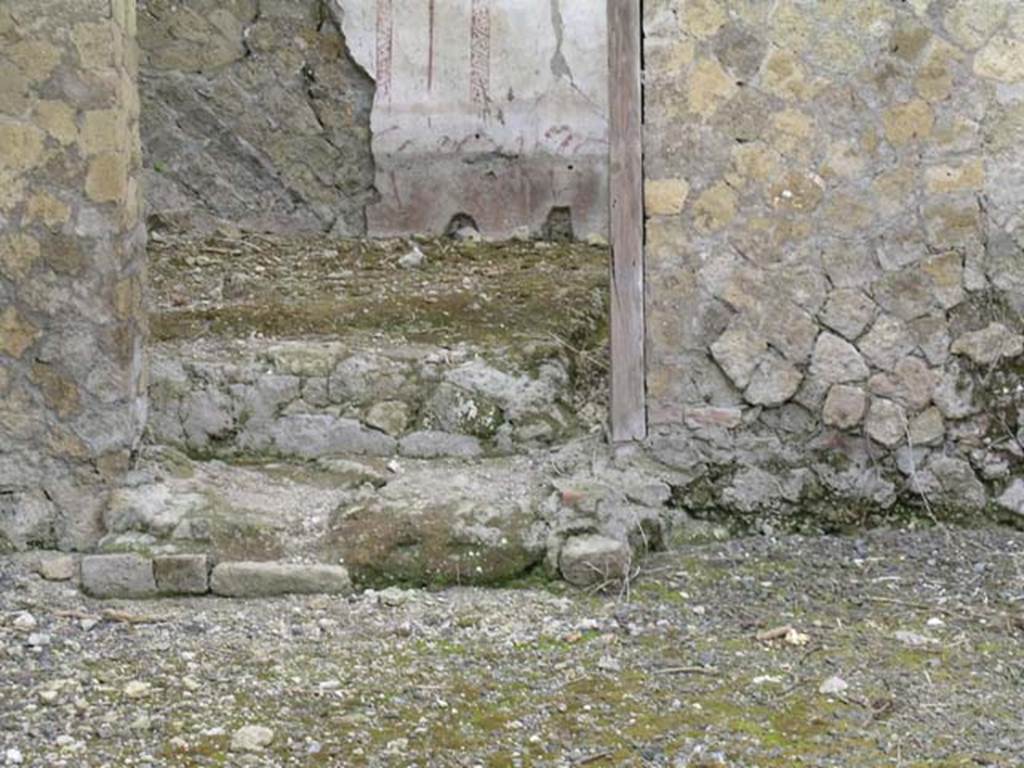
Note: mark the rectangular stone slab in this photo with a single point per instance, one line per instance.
(182, 574)
(113, 576)
(243, 579)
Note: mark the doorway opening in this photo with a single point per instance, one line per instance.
(374, 236)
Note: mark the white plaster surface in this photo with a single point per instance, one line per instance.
(492, 108)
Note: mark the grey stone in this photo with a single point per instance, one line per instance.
(182, 574)
(592, 559)
(251, 738)
(886, 423)
(709, 417)
(989, 345)
(390, 417)
(954, 394)
(960, 487)
(911, 384)
(314, 436)
(1012, 499)
(932, 335)
(154, 508)
(432, 445)
(206, 415)
(244, 579)
(454, 409)
(474, 525)
(928, 428)
(773, 382)
(886, 343)
(848, 312)
(836, 361)
(414, 259)
(27, 519)
(911, 461)
(352, 474)
(737, 351)
(118, 576)
(844, 406)
(56, 566)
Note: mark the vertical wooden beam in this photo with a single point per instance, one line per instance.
(628, 395)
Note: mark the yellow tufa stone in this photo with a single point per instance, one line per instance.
(61, 394)
(98, 44)
(709, 87)
(908, 122)
(62, 442)
(797, 192)
(665, 197)
(756, 161)
(716, 207)
(104, 130)
(18, 252)
(934, 81)
(128, 298)
(670, 56)
(58, 120)
(895, 186)
(951, 178)
(48, 210)
(784, 76)
(791, 130)
(107, 180)
(1002, 60)
(12, 189)
(35, 58)
(702, 18)
(16, 333)
(21, 146)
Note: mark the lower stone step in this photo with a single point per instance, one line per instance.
(385, 522)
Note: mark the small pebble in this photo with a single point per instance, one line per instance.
(25, 622)
(251, 738)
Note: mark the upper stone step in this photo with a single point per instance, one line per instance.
(314, 347)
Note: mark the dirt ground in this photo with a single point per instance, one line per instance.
(891, 649)
(427, 289)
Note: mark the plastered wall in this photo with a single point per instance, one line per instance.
(494, 109)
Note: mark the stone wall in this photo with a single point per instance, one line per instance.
(71, 265)
(835, 265)
(253, 114)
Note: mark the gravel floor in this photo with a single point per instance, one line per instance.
(895, 649)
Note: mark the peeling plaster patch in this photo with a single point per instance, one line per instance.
(559, 66)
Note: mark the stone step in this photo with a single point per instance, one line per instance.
(397, 521)
(369, 396)
(315, 347)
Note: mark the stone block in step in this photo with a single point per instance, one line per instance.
(593, 559)
(182, 574)
(433, 445)
(118, 576)
(271, 579)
